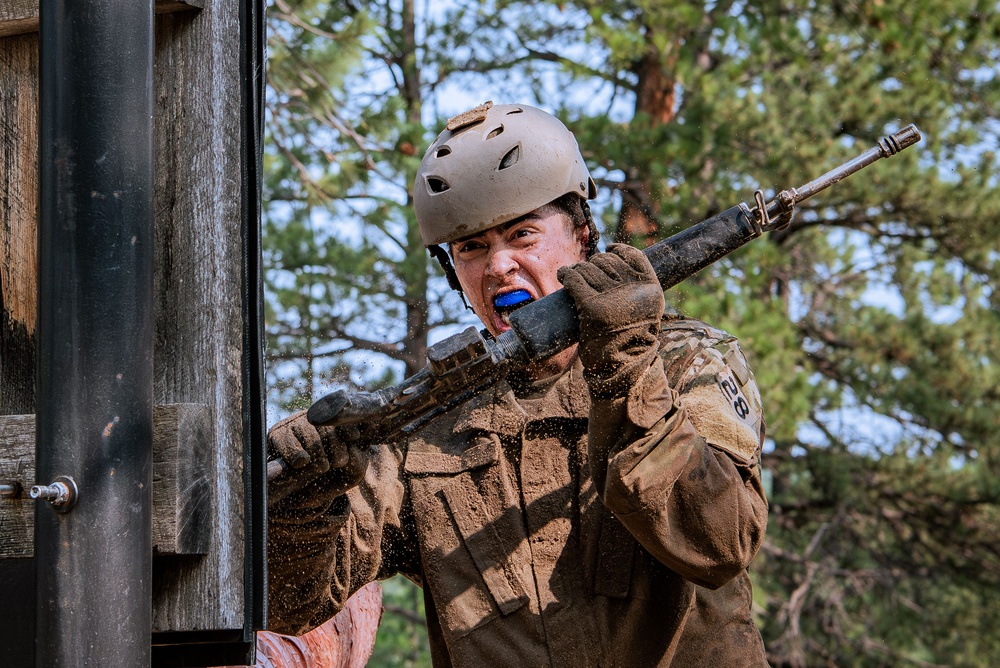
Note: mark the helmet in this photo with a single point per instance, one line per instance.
(493, 164)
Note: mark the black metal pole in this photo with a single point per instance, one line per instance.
(95, 336)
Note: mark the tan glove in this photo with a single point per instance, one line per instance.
(620, 303)
(322, 463)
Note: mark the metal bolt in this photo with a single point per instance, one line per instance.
(11, 491)
(61, 493)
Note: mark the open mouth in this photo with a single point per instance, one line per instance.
(508, 302)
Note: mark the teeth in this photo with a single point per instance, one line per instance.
(505, 317)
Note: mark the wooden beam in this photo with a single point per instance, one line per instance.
(197, 285)
(167, 6)
(18, 216)
(18, 17)
(17, 466)
(182, 495)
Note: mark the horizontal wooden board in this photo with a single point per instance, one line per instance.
(182, 441)
(18, 17)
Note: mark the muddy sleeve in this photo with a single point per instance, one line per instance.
(679, 465)
(322, 549)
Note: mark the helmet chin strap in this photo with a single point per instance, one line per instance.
(441, 255)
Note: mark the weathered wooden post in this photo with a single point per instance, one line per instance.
(207, 517)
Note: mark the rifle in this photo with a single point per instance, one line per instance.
(463, 365)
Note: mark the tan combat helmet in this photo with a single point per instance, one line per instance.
(493, 164)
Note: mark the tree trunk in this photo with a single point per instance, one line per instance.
(415, 269)
(655, 101)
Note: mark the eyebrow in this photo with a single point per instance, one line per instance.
(503, 227)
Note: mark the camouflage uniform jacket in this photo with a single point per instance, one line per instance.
(556, 531)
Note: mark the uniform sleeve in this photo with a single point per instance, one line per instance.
(321, 550)
(679, 466)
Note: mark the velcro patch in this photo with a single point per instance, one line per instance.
(476, 115)
(736, 399)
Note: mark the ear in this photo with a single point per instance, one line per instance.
(584, 239)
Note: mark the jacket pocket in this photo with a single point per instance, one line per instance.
(489, 541)
(471, 534)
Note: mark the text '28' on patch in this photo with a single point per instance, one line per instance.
(737, 400)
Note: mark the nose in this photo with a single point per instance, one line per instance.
(502, 262)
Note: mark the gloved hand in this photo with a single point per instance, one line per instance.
(322, 462)
(620, 303)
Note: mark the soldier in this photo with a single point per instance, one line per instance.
(597, 509)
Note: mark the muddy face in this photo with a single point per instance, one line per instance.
(514, 264)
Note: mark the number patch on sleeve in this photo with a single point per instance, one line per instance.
(737, 400)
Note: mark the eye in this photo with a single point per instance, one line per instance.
(470, 246)
(522, 232)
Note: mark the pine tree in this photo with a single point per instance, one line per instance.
(349, 287)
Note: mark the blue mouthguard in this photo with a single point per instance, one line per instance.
(511, 298)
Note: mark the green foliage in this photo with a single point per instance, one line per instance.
(870, 323)
(347, 273)
(402, 639)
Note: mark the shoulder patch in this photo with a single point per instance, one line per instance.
(736, 399)
(715, 385)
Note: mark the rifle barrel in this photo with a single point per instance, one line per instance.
(886, 147)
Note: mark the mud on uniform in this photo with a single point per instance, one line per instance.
(547, 529)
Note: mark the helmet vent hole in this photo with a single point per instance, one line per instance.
(513, 155)
(495, 131)
(515, 111)
(443, 151)
(437, 185)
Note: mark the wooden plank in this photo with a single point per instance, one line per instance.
(17, 465)
(197, 289)
(182, 442)
(182, 495)
(18, 17)
(18, 216)
(168, 6)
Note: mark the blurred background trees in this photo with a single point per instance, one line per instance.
(871, 322)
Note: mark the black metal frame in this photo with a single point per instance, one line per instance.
(253, 37)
